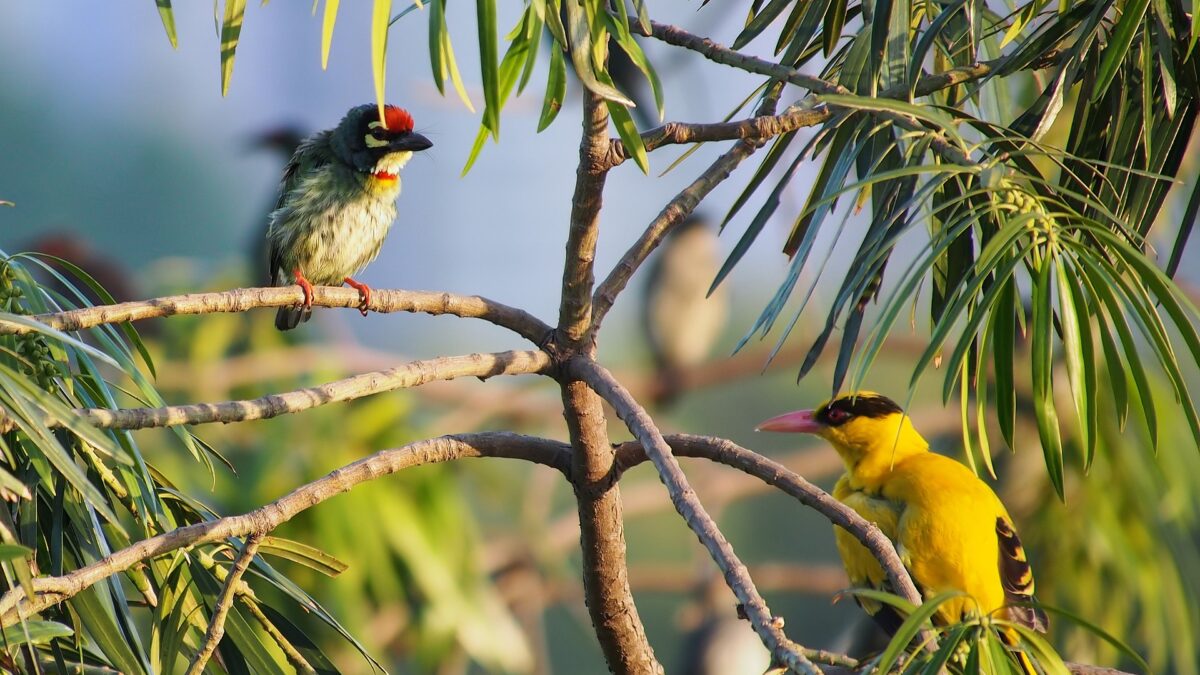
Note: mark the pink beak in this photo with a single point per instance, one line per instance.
(800, 421)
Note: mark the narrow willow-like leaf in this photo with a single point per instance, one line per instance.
(380, 15)
(167, 14)
(301, 641)
(581, 55)
(630, 46)
(760, 22)
(628, 132)
(1072, 320)
(249, 643)
(834, 21)
(1004, 332)
(908, 630)
(101, 626)
(485, 17)
(1085, 306)
(556, 89)
(1044, 655)
(1119, 40)
(533, 33)
(437, 43)
(327, 23)
(1102, 283)
(455, 76)
(231, 30)
(35, 632)
(1043, 374)
(928, 38)
(302, 553)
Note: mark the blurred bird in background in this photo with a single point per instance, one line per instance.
(337, 203)
(280, 142)
(78, 251)
(681, 321)
(950, 529)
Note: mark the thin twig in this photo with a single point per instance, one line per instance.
(243, 299)
(775, 474)
(49, 591)
(769, 628)
(216, 625)
(675, 212)
(721, 54)
(759, 128)
(412, 374)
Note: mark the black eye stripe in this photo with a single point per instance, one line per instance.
(847, 408)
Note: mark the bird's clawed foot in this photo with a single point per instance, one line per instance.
(364, 294)
(305, 286)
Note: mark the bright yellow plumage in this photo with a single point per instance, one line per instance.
(950, 529)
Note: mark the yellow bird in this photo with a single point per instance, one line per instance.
(950, 529)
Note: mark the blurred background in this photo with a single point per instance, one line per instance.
(120, 154)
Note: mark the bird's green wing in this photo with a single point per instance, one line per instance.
(310, 155)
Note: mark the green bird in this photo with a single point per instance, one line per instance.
(337, 202)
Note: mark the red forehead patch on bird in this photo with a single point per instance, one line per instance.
(397, 119)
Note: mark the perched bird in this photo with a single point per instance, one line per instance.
(337, 202)
(950, 529)
(682, 322)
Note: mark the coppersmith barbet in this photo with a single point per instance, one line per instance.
(337, 202)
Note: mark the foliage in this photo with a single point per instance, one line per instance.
(75, 495)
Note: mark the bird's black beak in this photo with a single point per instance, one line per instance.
(412, 141)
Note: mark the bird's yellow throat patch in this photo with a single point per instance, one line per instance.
(385, 177)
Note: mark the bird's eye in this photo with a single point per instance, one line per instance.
(837, 415)
(378, 132)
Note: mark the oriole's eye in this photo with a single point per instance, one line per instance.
(837, 415)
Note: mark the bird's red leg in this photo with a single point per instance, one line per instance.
(305, 286)
(364, 292)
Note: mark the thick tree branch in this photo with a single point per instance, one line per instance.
(49, 591)
(242, 299)
(216, 625)
(575, 310)
(769, 628)
(410, 374)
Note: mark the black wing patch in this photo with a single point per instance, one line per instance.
(1017, 578)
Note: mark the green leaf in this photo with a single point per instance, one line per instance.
(1072, 320)
(556, 89)
(380, 16)
(1042, 337)
(908, 630)
(34, 632)
(309, 556)
(167, 14)
(1004, 332)
(330, 18)
(485, 16)
(1118, 44)
(759, 23)
(628, 132)
(14, 551)
(231, 30)
(581, 55)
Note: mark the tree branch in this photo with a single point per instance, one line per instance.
(674, 213)
(216, 625)
(721, 54)
(575, 310)
(769, 628)
(242, 299)
(775, 474)
(49, 591)
(411, 374)
(758, 128)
